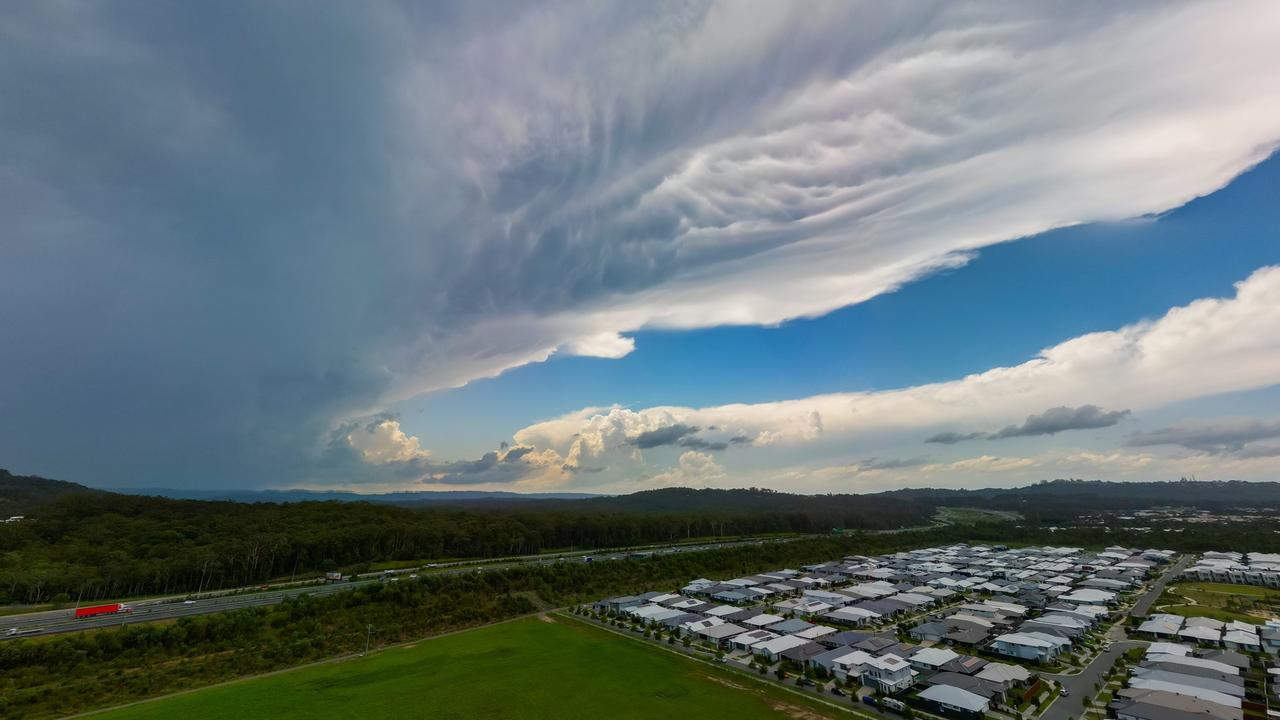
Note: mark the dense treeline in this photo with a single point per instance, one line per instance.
(64, 674)
(103, 545)
(1063, 501)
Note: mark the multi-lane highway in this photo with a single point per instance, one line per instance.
(49, 622)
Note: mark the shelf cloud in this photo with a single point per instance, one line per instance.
(238, 225)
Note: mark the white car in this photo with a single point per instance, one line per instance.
(188, 602)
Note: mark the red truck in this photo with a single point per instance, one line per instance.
(113, 608)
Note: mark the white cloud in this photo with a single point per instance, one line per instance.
(1208, 347)
(382, 442)
(601, 345)
(792, 181)
(479, 189)
(693, 469)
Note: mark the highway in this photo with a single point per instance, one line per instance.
(50, 622)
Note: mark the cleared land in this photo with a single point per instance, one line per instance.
(972, 515)
(1225, 602)
(553, 667)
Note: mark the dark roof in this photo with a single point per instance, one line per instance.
(874, 644)
(930, 628)
(977, 686)
(882, 607)
(1229, 657)
(965, 665)
(843, 639)
(800, 653)
(967, 636)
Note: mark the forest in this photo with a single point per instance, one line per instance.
(97, 545)
(82, 545)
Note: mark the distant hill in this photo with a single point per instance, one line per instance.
(1064, 499)
(21, 494)
(395, 498)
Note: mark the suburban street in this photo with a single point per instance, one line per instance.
(50, 622)
(1080, 684)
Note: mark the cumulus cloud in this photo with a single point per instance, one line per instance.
(1223, 436)
(382, 441)
(693, 469)
(385, 200)
(1209, 347)
(1060, 419)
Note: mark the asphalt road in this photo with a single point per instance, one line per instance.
(50, 622)
(1143, 606)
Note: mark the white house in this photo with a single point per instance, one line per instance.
(932, 658)
(1029, 646)
(956, 699)
(889, 673)
(772, 648)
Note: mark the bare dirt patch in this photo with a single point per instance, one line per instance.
(547, 619)
(795, 711)
(726, 683)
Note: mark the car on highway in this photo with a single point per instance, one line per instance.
(188, 602)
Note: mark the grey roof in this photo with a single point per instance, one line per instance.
(801, 653)
(786, 627)
(1229, 657)
(1205, 672)
(1174, 701)
(955, 697)
(967, 636)
(968, 683)
(1219, 686)
(843, 639)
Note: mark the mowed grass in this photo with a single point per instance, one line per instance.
(1225, 601)
(531, 668)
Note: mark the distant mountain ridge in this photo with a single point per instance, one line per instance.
(20, 494)
(1045, 501)
(392, 498)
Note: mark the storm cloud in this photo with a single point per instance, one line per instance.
(951, 438)
(669, 435)
(1238, 436)
(237, 227)
(1062, 419)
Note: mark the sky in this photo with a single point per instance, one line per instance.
(819, 247)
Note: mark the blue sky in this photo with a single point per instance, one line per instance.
(1000, 309)
(815, 246)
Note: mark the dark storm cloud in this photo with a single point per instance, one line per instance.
(669, 435)
(231, 227)
(1061, 419)
(891, 463)
(1231, 436)
(696, 443)
(951, 438)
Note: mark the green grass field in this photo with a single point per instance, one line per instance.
(1224, 601)
(524, 669)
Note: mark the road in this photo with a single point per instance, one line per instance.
(1143, 606)
(51, 622)
(1081, 684)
